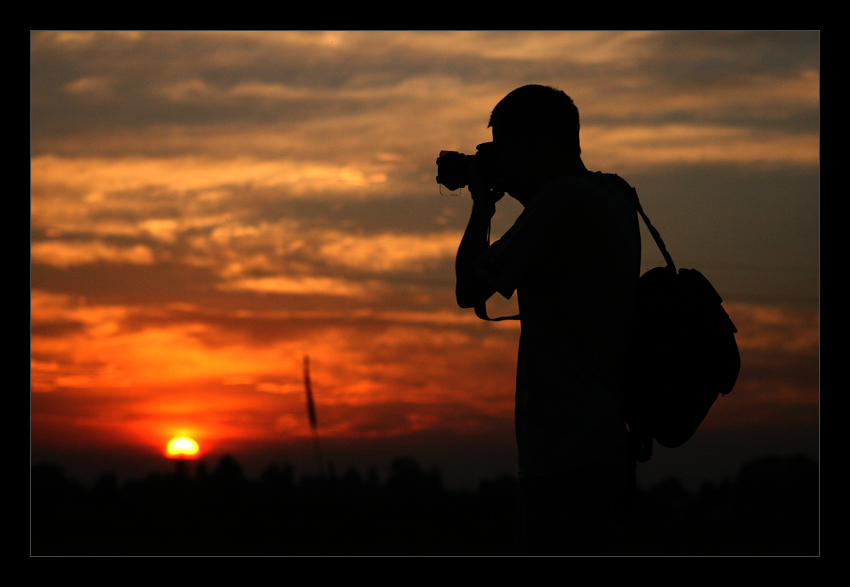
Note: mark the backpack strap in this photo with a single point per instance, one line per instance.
(481, 312)
(655, 235)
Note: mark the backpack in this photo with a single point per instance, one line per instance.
(682, 353)
(681, 356)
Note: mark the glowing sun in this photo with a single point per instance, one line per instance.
(182, 446)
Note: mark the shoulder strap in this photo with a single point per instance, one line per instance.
(481, 309)
(481, 312)
(655, 235)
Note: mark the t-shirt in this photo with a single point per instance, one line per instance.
(573, 257)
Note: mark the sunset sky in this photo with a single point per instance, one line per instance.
(207, 208)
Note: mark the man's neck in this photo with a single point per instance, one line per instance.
(570, 168)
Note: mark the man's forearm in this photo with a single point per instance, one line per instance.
(471, 289)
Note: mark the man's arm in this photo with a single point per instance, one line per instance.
(471, 288)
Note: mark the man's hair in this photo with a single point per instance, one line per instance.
(544, 114)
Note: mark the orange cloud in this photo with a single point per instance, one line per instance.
(389, 251)
(651, 145)
(777, 328)
(301, 285)
(66, 253)
(102, 175)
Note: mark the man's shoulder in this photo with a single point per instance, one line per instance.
(572, 189)
(589, 180)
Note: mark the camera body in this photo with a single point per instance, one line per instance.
(454, 169)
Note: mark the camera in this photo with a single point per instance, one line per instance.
(455, 169)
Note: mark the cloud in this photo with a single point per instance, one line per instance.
(66, 254)
(96, 88)
(645, 147)
(304, 285)
(185, 174)
(387, 252)
(209, 207)
(777, 329)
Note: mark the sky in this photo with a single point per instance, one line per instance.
(208, 208)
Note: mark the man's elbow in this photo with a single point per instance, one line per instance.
(464, 300)
(471, 295)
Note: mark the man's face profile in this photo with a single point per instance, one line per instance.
(514, 160)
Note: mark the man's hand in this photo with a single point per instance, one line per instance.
(482, 196)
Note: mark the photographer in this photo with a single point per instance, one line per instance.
(573, 257)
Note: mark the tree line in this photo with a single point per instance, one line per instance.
(771, 508)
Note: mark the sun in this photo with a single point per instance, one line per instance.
(182, 447)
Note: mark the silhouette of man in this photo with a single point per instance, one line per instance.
(573, 257)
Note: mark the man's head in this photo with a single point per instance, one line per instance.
(536, 131)
(542, 115)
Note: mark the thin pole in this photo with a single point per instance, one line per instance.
(311, 414)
